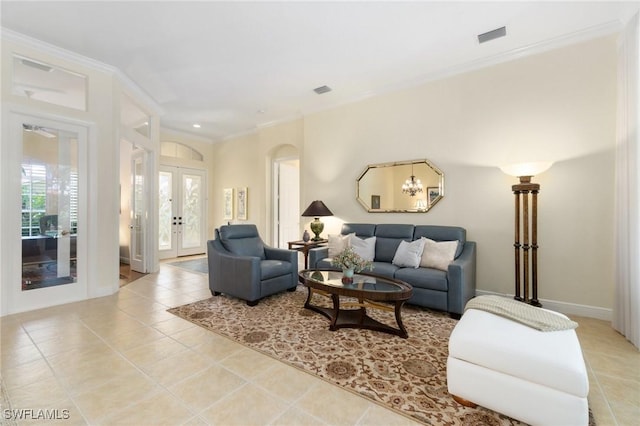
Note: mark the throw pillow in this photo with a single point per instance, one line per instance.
(438, 255)
(365, 248)
(408, 255)
(337, 243)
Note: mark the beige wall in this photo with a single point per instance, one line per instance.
(558, 106)
(246, 162)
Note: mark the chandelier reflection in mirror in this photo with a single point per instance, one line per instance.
(379, 188)
(412, 185)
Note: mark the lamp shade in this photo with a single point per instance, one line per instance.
(317, 209)
(526, 169)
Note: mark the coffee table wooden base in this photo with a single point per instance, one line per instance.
(357, 318)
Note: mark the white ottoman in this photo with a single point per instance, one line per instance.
(533, 376)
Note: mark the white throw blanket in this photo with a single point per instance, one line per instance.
(531, 316)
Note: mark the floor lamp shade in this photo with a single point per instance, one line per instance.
(316, 210)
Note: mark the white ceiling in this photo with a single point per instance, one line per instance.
(235, 66)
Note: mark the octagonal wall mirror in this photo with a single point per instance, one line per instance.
(388, 187)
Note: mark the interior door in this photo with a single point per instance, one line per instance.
(182, 215)
(50, 172)
(138, 224)
(288, 201)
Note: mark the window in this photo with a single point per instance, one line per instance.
(34, 199)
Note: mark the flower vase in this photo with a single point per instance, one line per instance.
(347, 275)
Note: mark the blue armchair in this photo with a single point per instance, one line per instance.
(242, 266)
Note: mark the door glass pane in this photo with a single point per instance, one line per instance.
(191, 208)
(165, 215)
(49, 183)
(138, 210)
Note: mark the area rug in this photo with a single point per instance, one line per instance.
(197, 265)
(405, 375)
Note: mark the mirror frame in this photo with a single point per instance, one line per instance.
(430, 205)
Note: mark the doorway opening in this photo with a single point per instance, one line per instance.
(286, 200)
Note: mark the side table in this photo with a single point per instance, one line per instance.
(304, 247)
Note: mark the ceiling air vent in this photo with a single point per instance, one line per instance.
(322, 89)
(492, 35)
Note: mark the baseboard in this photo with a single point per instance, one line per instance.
(565, 307)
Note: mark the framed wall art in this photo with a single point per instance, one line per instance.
(227, 203)
(242, 198)
(433, 193)
(375, 202)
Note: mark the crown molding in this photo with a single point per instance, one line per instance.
(84, 61)
(514, 54)
(167, 133)
(530, 50)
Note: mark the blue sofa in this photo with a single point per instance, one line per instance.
(432, 288)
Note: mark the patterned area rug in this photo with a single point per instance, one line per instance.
(405, 375)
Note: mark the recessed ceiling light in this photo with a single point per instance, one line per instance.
(196, 125)
(322, 89)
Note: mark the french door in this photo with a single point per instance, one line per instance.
(182, 215)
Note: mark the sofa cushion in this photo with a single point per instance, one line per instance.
(438, 254)
(365, 248)
(362, 230)
(408, 255)
(388, 237)
(427, 278)
(337, 243)
(383, 268)
(442, 233)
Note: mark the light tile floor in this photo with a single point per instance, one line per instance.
(123, 359)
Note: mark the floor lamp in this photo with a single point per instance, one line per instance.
(526, 229)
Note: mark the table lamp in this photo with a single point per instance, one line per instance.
(317, 209)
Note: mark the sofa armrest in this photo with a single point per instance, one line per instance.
(317, 254)
(462, 279)
(231, 273)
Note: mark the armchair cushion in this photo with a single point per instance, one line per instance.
(273, 268)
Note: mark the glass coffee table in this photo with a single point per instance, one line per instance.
(368, 290)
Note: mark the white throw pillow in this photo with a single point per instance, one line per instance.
(337, 243)
(408, 255)
(438, 255)
(365, 248)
